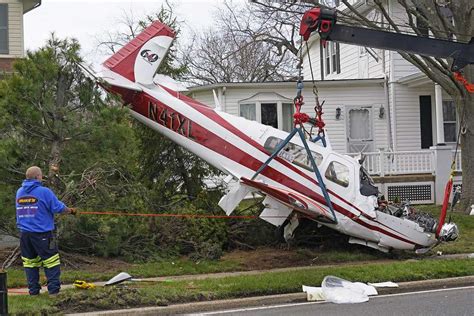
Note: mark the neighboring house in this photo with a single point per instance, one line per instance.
(11, 30)
(375, 102)
(421, 114)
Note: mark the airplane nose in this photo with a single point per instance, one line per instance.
(449, 232)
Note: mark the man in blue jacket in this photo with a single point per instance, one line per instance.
(35, 209)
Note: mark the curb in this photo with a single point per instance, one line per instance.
(275, 299)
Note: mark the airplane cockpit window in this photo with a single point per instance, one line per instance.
(293, 153)
(367, 185)
(338, 173)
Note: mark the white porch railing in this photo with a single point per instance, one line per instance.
(400, 162)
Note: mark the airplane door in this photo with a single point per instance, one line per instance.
(359, 129)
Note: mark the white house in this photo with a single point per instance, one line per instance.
(11, 30)
(375, 102)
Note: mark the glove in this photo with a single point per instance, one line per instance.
(79, 284)
(73, 210)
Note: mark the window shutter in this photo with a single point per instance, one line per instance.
(4, 28)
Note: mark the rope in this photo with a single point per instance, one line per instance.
(115, 213)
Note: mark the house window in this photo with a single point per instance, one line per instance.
(275, 114)
(4, 29)
(327, 59)
(287, 112)
(293, 153)
(332, 58)
(248, 111)
(449, 121)
(421, 24)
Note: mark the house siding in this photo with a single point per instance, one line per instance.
(205, 97)
(402, 68)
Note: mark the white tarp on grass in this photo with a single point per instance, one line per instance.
(340, 291)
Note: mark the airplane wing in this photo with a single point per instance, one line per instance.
(279, 203)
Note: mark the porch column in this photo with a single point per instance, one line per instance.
(439, 114)
(442, 165)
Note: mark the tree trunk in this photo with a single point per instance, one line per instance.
(53, 165)
(467, 141)
(467, 144)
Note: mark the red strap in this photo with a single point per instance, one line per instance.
(299, 117)
(459, 77)
(447, 194)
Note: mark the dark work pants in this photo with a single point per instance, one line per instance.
(40, 250)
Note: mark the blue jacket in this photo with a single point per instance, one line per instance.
(35, 207)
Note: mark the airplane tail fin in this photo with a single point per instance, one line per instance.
(140, 58)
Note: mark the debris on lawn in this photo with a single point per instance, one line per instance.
(384, 284)
(119, 278)
(340, 291)
(313, 293)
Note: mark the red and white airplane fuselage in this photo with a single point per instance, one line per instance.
(238, 147)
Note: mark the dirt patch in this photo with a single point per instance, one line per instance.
(269, 258)
(95, 264)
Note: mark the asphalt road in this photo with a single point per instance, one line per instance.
(455, 301)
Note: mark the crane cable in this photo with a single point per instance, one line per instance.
(318, 108)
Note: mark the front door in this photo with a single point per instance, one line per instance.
(359, 129)
(425, 122)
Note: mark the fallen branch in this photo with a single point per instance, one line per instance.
(11, 258)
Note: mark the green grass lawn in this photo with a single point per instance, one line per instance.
(164, 293)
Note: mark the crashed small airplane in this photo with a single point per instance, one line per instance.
(342, 196)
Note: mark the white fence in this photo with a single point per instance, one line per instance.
(400, 162)
(403, 162)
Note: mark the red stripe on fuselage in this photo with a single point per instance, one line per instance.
(214, 142)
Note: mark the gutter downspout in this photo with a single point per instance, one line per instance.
(391, 92)
(389, 114)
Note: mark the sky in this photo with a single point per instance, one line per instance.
(89, 20)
